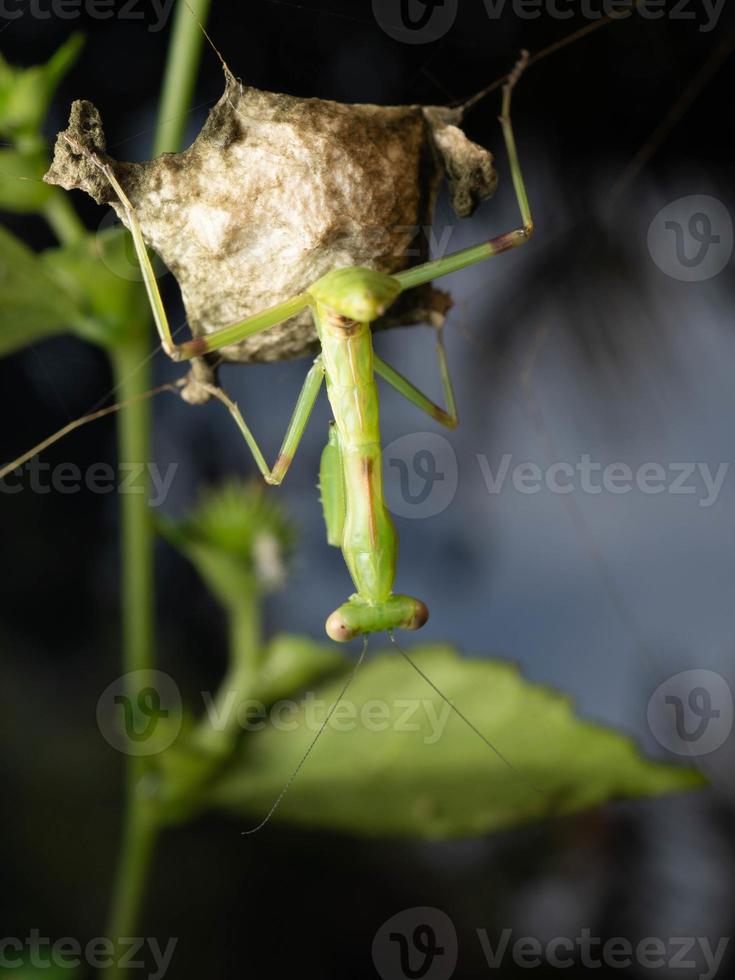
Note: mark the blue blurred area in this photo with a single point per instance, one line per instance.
(577, 345)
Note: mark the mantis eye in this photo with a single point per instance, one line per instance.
(339, 630)
(419, 616)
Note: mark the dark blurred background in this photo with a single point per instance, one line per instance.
(579, 344)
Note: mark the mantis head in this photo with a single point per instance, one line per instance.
(356, 293)
(356, 617)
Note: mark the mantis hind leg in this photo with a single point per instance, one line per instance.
(420, 274)
(358, 616)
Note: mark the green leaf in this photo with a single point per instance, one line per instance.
(32, 303)
(77, 287)
(108, 298)
(25, 93)
(289, 665)
(441, 780)
(293, 662)
(22, 189)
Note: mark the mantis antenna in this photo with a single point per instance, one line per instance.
(302, 761)
(463, 717)
(305, 756)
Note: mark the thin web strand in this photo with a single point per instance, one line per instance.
(550, 49)
(78, 423)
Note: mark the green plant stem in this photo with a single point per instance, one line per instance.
(63, 219)
(246, 633)
(245, 653)
(131, 368)
(139, 839)
(132, 375)
(181, 70)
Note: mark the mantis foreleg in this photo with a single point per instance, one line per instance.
(207, 343)
(296, 426)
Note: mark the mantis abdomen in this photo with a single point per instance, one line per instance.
(352, 485)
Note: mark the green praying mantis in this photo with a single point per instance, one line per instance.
(344, 303)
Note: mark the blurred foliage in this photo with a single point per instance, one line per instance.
(110, 309)
(400, 762)
(25, 96)
(21, 180)
(237, 537)
(79, 285)
(26, 93)
(33, 305)
(71, 288)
